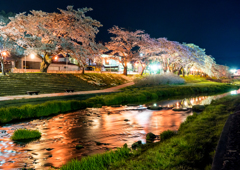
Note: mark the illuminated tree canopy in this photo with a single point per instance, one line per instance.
(71, 32)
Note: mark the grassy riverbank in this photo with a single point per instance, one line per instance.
(193, 147)
(131, 95)
(134, 94)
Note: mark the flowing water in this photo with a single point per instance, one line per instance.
(111, 126)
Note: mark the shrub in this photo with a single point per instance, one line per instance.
(167, 134)
(163, 79)
(23, 134)
(150, 137)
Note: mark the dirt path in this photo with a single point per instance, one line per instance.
(112, 89)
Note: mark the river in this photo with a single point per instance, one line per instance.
(97, 129)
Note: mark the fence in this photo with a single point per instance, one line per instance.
(58, 71)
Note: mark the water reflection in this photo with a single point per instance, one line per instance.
(111, 126)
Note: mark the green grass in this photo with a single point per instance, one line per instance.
(133, 94)
(195, 79)
(24, 134)
(34, 101)
(193, 147)
(98, 161)
(45, 109)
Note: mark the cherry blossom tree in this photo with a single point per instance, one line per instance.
(125, 44)
(69, 32)
(174, 56)
(7, 46)
(196, 57)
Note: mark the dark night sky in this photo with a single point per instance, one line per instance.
(210, 24)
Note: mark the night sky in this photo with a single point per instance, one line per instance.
(210, 24)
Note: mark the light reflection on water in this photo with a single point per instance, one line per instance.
(108, 125)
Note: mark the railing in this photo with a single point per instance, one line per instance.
(59, 71)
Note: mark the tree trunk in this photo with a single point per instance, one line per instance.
(45, 63)
(3, 71)
(188, 71)
(143, 68)
(183, 72)
(83, 70)
(125, 70)
(179, 71)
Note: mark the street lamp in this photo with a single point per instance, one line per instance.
(32, 56)
(4, 53)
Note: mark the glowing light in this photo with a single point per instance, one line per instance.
(55, 58)
(233, 70)
(155, 104)
(32, 56)
(154, 67)
(177, 105)
(4, 53)
(141, 54)
(192, 101)
(234, 92)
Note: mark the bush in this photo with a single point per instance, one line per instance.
(23, 134)
(167, 134)
(163, 79)
(150, 137)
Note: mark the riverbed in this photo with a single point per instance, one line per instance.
(96, 129)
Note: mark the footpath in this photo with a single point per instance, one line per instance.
(108, 90)
(227, 155)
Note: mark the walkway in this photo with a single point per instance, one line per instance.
(227, 153)
(109, 90)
